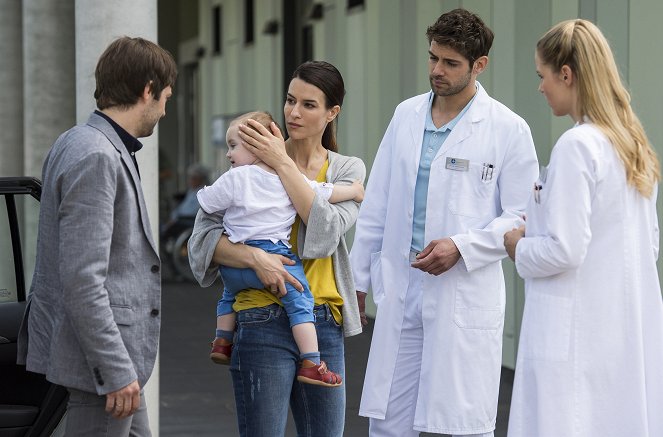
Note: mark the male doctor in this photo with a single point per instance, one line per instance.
(454, 171)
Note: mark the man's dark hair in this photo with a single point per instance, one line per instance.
(464, 32)
(127, 66)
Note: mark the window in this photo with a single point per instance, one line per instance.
(248, 22)
(19, 212)
(355, 4)
(29, 404)
(307, 43)
(217, 34)
(8, 287)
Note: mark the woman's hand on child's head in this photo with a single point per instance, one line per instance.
(359, 189)
(267, 144)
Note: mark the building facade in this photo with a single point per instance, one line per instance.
(381, 49)
(237, 55)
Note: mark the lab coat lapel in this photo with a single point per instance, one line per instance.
(417, 125)
(468, 123)
(457, 135)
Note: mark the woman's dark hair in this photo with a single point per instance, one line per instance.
(464, 32)
(127, 66)
(328, 79)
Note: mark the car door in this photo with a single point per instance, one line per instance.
(30, 406)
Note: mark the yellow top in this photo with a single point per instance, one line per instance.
(319, 272)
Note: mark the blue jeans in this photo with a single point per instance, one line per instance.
(298, 304)
(264, 365)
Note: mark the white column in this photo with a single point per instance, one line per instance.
(48, 94)
(11, 86)
(48, 53)
(98, 23)
(11, 119)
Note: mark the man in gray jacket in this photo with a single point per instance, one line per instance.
(93, 320)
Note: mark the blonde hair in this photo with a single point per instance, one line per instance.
(262, 117)
(602, 97)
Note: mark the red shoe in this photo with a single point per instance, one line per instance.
(319, 375)
(220, 353)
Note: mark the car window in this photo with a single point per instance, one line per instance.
(29, 224)
(19, 218)
(7, 273)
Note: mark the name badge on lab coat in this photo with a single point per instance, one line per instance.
(457, 164)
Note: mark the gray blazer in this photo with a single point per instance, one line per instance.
(324, 236)
(93, 317)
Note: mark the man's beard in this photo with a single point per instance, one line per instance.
(454, 88)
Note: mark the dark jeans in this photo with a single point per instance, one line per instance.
(264, 366)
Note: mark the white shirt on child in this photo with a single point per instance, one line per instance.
(254, 203)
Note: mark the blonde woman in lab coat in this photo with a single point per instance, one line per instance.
(590, 361)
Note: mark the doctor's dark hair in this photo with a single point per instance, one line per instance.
(464, 32)
(328, 79)
(602, 97)
(127, 66)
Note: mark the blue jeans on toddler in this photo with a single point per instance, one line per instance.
(298, 305)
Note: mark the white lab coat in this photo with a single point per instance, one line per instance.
(463, 309)
(590, 361)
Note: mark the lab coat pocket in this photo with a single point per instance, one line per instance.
(546, 329)
(377, 284)
(472, 191)
(478, 304)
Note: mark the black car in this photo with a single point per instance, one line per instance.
(30, 406)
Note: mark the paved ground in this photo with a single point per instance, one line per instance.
(196, 394)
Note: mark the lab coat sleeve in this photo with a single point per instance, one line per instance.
(481, 247)
(371, 221)
(566, 199)
(328, 223)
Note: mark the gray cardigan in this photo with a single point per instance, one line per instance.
(323, 236)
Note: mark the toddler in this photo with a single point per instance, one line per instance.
(257, 211)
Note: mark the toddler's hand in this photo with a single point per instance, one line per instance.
(359, 191)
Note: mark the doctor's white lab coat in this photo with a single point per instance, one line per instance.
(590, 359)
(463, 308)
